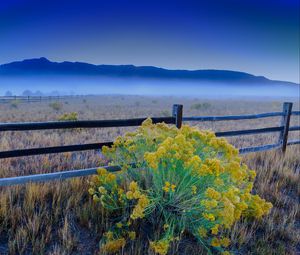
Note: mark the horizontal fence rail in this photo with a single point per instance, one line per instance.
(81, 124)
(233, 117)
(55, 149)
(54, 176)
(249, 131)
(259, 148)
(8, 99)
(294, 128)
(295, 113)
(293, 142)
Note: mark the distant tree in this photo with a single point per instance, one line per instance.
(38, 93)
(27, 93)
(54, 93)
(8, 93)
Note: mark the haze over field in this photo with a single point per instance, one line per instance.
(83, 78)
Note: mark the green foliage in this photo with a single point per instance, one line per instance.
(14, 103)
(201, 106)
(184, 181)
(72, 116)
(56, 106)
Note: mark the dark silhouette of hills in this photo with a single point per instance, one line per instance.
(42, 66)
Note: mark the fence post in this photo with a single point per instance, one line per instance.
(285, 122)
(28, 99)
(177, 113)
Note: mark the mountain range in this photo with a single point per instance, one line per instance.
(43, 66)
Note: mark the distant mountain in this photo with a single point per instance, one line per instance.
(42, 66)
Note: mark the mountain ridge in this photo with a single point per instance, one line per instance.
(43, 66)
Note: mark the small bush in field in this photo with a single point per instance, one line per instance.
(14, 103)
(184, 181)
(68, 116)
(56, 106)
(201, 106)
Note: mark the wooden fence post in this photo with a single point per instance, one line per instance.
(285, 122)
(177, 113)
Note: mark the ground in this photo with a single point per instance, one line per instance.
(60, 217)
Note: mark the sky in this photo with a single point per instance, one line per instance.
(258, 37)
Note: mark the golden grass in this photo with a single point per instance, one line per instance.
(60, 217)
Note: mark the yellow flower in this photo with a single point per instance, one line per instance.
(102, 190)
(215, 229)
(91, 191)
(166, 226)
(136, 194)
(150, 158)
(109, 235)
(208, 216)
(213, 194)
(161, 247)
(173, 187)
(215, 242)
(133, 186)
(129, 195)
(119, 225)
(194, 189)
(96, 198)
(169, 187)
(114, 245)
(101, 171)
(209, 204)
(132, 235)
(111, 177)
(225, 242)
(202, 232)
(226, 253)
(138, 210)
(219, 182)
(166, 189)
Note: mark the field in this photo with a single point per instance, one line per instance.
(61, 218)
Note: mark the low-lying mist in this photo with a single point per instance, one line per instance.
(133, 86)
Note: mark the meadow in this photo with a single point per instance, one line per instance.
(61, 218)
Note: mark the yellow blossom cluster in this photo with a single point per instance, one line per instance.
(169, 187)
(184, 180)
(161, 247)
(113, 245)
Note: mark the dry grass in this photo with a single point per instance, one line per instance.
(60, 218)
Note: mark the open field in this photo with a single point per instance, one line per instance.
(60, 217)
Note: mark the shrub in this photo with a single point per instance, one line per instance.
(56, 106)
(200, 106)
(68, 116)
(14, 103)
(176, 182)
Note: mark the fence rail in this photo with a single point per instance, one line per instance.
(80, 124)
(177, 119)
(233, 117)
(8, 99)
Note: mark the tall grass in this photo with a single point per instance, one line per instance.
(60, 217)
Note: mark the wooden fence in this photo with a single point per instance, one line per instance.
(30, 99)
(176, 118)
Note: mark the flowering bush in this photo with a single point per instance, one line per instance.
(68, 116)
(180, 181)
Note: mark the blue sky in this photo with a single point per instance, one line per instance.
(259, 37)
